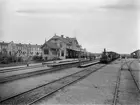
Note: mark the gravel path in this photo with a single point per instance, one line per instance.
(22, 85)
(98, 88)
(128, 92)
(136, 71)
(2, 75)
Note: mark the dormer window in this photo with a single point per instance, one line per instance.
(55, 40)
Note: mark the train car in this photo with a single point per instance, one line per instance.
(107, 57)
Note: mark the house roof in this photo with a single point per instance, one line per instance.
(60, 38)
(66, 40)
(50, 45)
(19, 44)
(3, 43)
(137, 51)
(72, 40)
(35, 45)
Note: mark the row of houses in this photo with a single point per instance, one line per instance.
(56, 47)
(20, 50)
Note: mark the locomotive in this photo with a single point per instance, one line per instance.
(109, 56)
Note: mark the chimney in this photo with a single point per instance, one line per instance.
(62, 36)
(104, 50)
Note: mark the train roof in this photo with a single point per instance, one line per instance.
(111, 52)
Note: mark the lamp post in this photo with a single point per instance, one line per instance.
(80, 56)
(28, 51)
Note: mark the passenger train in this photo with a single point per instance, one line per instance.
(109, 56)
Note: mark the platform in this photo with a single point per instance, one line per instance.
(88, 64)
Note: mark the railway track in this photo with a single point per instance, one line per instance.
(25, 68)
(38, 72)
(134, 78)
(133, 75)
(117, 90)
(19, 68)
(38, 93)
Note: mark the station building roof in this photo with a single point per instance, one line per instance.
(137, 51)
(66, 40)
(50, 45)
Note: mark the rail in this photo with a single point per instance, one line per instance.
(39, 72)
(38, 93)
(118, 81)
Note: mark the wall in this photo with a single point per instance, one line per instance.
(12, 48)
(62, 46)
(51, 54)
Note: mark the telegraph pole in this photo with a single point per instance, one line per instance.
(80, 56)
(28, 54)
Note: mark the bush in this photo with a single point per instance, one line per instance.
(37, 58)
(4, 59)
(19, 59)
(56, 58)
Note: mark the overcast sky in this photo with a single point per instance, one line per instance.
(97, 24)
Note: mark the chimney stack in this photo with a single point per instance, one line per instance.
(62, 36)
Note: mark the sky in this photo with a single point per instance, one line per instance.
(97, 24)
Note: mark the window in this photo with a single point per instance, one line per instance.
(54, 52)
(46, 51)
(61, 45)
(10, 53)
(62, 53)
(55, 40)
(37, 53)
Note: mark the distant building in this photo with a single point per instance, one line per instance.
(33, 50)
(20, 50)
(12, 48)
(135, 54)
(65, 47)
(3, 47)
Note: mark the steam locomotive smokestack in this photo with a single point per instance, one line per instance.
(104, 50)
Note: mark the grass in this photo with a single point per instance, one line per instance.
(17, 64)
(13, 64)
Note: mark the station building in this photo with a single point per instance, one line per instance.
(61, 47)
(50, 50)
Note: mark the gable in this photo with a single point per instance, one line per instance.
(49, 45)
